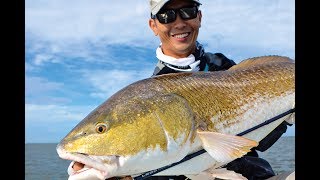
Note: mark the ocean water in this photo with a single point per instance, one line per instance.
(281, 155)
(43, 163)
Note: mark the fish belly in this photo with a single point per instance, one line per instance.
(205, 161)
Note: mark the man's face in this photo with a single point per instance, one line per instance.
(179, 37)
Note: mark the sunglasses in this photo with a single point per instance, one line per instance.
(170, 15)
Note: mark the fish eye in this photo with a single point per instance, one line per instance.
(101, 128)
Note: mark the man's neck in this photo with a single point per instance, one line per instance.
(177, 55)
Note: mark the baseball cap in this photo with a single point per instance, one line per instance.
(156, 5)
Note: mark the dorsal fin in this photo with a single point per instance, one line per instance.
(260, 60)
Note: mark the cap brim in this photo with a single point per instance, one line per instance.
(157, 8)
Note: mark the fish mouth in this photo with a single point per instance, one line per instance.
(85, 172)
(84, 166)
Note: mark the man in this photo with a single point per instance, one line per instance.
(179, 50)
(177, 23)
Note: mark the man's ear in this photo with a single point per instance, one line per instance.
(153, 26)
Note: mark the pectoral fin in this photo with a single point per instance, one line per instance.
(224, 147)
(222, 173)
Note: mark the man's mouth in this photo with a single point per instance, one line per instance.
(181, 36)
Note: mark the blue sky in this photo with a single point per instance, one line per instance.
(79, 52)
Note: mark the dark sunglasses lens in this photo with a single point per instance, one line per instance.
(188, 13)
(169, 16)
(166, 16)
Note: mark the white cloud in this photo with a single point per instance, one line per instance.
(266, 25)
(67, 27)
(40, 58)
(29, 67)
(54, 113)
(83, 20)
(38, 85)
(107, 82)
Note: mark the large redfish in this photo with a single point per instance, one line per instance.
(158, 121)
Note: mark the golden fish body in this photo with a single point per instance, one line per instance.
(159, 120)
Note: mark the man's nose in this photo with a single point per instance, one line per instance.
(179, 22)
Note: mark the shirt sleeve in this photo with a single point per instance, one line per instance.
(218, 62)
